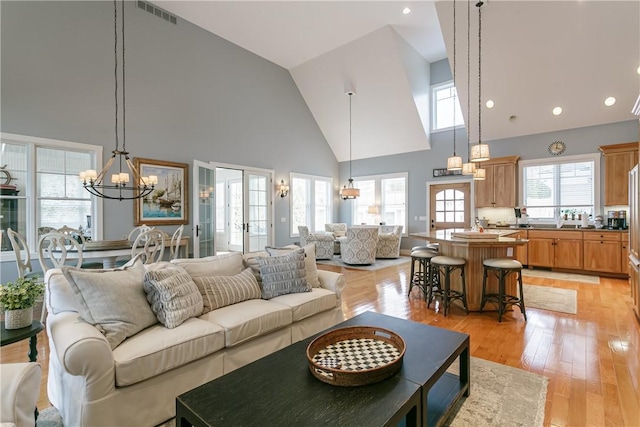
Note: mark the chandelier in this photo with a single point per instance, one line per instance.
(349, 191)
(454, 163)
(480, 151)
(124, 182)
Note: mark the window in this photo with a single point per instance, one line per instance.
(47, 191)
(383, 199)
(445, 107)
(311, 202)
(550, 188)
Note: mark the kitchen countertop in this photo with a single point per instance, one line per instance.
(553, 227)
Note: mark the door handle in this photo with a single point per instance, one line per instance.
(197, 230)
(433, 225)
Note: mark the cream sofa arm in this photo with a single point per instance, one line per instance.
(20, 389)
(332, 281)
(82, 350)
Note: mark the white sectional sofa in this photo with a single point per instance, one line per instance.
(136, 383)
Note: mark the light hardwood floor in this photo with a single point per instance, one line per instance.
(592, 359)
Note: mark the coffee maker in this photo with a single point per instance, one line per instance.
(617, 220)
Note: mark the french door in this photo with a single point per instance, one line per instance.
(237, 216)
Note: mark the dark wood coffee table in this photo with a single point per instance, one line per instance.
(279, 389)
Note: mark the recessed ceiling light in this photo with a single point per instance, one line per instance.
(406, 11)
(490, 104)
(557, 111)
(609, 101)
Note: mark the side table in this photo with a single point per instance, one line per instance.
(10, 336)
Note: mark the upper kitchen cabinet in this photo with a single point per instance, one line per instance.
(498, 190)
(619, 159)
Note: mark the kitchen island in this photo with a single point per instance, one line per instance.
(475, 249)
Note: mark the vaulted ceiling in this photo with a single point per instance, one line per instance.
(536, 55)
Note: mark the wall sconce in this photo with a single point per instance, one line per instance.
(283, 189)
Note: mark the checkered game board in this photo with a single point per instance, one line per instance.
(357, 354)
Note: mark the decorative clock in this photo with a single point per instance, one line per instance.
(557, 147)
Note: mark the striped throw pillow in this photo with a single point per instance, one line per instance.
(284, 274)
(220, 291)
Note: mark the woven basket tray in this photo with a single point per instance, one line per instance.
(355, 355)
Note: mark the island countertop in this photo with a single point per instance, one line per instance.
(447, 236)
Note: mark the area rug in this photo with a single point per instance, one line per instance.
(377, 265)
(500, 396)
(548, 298)
(594, 280)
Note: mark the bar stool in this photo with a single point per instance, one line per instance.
(446, 265)
(501, 268)
(420, 277)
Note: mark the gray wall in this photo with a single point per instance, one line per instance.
(420, 164)
(190, 95)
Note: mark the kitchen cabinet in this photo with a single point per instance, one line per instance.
(498, 190)
(602, 252)
(619, 159)
(556, 249)
(520, 251)
(624, 253)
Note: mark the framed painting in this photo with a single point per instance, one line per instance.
(168, 203)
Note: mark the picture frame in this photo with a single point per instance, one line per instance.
(168, 203)
(445, 172)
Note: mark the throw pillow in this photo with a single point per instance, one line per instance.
(284, 274)
(220, 291)
(173, 296)
(113, 301)
(309, 260)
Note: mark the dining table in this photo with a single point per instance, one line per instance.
(474, 248)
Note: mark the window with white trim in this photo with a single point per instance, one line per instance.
(550, 188)
(445, 107)
(311, 202)
(46, 191)
(383, 199)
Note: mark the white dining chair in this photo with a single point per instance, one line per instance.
(20, 247)
(133, 234)
(77, 235)
(175, 242)
(149, 246)
(57, 248)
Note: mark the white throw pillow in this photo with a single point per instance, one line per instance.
(113, 301)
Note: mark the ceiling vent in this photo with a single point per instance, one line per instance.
(157, 12)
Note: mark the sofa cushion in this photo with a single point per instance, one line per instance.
(249, 319)
(218, 265)
(283, 274)
(158, 349)
(113, 301)
(309, 260)
(220, 291)
(172, 294)
(307, 304)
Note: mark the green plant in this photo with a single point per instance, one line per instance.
(20, 294)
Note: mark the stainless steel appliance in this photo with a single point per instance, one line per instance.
(617, 220)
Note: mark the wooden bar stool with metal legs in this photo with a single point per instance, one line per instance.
(446, 265)
(501, 268)
(420, 276)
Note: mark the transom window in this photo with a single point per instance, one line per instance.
(549, 188)
(445, 107)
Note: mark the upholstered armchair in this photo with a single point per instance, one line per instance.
(389, 243)
(323, 242)
(20, 389)
(360, 245)
(339, 231)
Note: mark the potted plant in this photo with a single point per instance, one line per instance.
(17, 299)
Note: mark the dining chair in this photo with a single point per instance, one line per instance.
(57, 247)
(149, 246)
(133, 234)
(175, 242)
(20, 246)
(77, 235)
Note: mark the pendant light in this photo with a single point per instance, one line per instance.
(454, 163)
(117, 185)
(468, 168)
(480, 151)
(349, 191)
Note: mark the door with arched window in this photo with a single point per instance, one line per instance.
(450, 205)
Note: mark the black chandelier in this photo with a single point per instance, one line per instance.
(125, 183)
